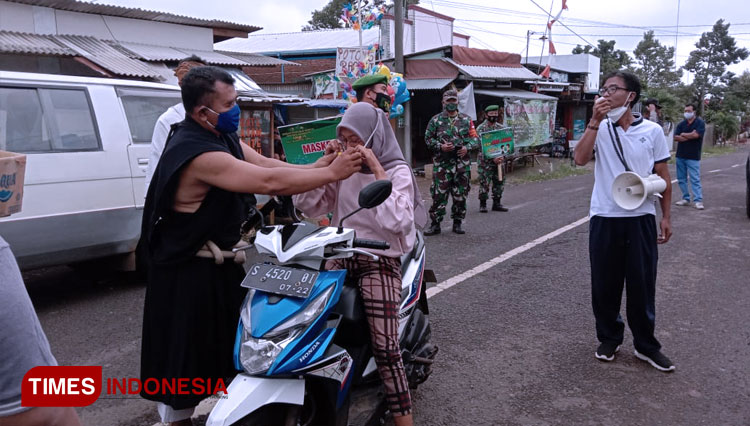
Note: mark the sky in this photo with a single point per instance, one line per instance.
(503, 24)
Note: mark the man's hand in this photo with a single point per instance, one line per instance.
(498, 160)
(446, 146)
(333, 147)
(601, 108)
(462, 151)
(332, 150)
(371, 161)
(346, 164)
(665, 227)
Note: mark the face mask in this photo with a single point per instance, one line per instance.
(689, 115)
(450, 107)
(383, 101)
(615, 113)
(228, 121)
(491, 118)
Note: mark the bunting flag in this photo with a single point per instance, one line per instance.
(565, 4)
(546, 72)
(552, 50)
(549, 24)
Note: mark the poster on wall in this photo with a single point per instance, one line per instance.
(305, 142)
(497, 143)
(255, 130)
(532, 121)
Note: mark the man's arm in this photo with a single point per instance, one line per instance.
(665, 202)
(252, 157)
(584, 150)
(224, 171)
(430, 137)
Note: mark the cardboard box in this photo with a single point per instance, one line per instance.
(12, 169)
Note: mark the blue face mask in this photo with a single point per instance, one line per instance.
(228, 121)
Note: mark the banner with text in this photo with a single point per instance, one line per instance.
(532, 121)
(497, 143)
(305, 142)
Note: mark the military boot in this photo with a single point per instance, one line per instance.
(434, 229)
(457, 227)
(482, 206)
(497, 207)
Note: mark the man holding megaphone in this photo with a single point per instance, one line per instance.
(622, 232)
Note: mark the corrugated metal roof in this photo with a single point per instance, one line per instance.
(136, 13)
(514, 93)
(154, 53)
(257, 60)
(213, 58)
(578, 63)
(106, 56)
(304, 41)
(495, 73)
(427, 83)
(15, 42)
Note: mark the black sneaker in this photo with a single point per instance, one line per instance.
(657, 360)
(606, 351)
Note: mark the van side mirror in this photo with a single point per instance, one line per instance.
(370, 196)
(375, 193)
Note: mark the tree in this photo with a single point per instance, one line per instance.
(329, 16)
(655, 63)
(715, 50)
(610, 59)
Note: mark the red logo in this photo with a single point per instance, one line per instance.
(61, 386)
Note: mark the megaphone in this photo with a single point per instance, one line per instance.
(630, 190)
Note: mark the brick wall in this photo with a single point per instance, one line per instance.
(292, 74)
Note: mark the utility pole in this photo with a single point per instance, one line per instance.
(676, 31)
(403, 133)
(528, 34)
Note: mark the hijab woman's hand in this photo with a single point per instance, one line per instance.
(371, 161)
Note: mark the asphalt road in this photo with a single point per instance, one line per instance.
(517, 340)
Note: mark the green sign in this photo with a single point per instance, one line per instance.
(497, 143)
(305, 142)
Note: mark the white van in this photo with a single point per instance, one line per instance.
(87, 142)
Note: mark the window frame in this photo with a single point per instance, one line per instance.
(48, 110)
(143, 92)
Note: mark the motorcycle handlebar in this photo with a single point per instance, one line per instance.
(371, 244)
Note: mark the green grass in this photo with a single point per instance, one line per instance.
(559, 171)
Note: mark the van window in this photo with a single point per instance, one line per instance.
(46, 120)
(142, 109)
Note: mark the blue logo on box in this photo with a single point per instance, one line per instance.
(5, 195)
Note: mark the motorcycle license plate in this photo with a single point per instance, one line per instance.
(280, 280)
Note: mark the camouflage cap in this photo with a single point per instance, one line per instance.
(450, 94)
(369, 80)
(491, 108)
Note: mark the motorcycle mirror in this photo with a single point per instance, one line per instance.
(375, 193)
(370, 196)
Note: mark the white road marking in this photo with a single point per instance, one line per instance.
(674, 180)
(714, 171)
(736, 165)
(502, 258)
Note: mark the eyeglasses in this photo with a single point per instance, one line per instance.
(610, 90)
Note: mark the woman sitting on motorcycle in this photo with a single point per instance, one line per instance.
(365, 129)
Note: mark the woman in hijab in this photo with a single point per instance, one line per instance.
(365, 129)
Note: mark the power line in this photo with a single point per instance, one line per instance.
(561, 23)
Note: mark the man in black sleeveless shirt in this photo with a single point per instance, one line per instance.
(199, 194)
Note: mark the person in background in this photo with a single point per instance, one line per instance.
(488, 166)
(172, 115)
(373, 89)
(450, 136)
(689, 136)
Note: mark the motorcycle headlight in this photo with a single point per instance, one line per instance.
(257, 355)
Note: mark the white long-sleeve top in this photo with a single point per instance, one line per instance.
(392, 221)
(172, 115)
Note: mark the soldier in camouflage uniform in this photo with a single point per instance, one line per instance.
(450, 136)
(487, 167)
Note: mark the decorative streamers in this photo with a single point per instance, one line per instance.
(369, 17)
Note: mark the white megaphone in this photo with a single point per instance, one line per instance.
(630, 190)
